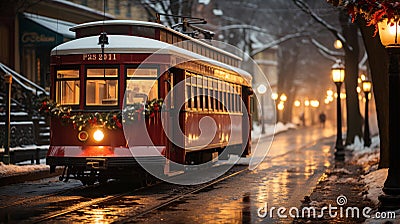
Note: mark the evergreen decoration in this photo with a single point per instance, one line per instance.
(111, 120)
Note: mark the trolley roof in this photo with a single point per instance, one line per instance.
(148, 24)
(133, 44)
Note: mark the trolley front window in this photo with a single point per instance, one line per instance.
(141, 85)
(102, 87)
(67, 87)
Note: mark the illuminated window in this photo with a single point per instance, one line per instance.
(200, 92)
(102, 87)
(189, 94)
(141, 85)
(67, 87)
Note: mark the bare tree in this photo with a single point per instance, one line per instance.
(170, 7)
(349, 38)
(378, 62)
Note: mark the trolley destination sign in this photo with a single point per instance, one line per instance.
(99, 57)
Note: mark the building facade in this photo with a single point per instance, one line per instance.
(29, 29)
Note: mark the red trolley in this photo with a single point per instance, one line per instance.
(95, 78)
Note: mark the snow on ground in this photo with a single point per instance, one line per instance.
(374, 178)
(270, 129)
(26, 147)
(368, 157)
(375, 181)
(12, 170)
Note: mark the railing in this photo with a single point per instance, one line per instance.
(23, 81)
(24, 92)
(27, 126)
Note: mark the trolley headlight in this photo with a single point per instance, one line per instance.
(83, 136)
(98, 135)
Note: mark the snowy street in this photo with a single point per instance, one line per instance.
(296, 161)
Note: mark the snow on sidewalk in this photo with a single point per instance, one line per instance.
(14, 170)
(374, 179)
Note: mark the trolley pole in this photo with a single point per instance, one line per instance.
(8, 81)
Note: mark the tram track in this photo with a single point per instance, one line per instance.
(56, 215)
(84, 204)
(180, 197)
(154, 203)
(177, 198)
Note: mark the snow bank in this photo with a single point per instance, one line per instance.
(27, 147)
(12, 170)
(374, 181)
(270, 129)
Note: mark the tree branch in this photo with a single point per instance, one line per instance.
(324, 49)
(279, 41)
(306, 8)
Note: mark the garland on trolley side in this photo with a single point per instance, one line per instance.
(111, 120)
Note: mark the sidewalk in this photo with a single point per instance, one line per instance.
(354, 183)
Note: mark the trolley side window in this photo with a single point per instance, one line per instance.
(141, 85)
(102, 87)
(67, 87)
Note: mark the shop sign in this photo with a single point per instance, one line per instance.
(33, 37)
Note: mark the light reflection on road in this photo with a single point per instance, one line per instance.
(296, 161)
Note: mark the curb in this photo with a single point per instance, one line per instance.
(29, 177)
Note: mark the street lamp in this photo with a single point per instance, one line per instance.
(338, 78)
(366, 86)
(262, 89)
(390, 38)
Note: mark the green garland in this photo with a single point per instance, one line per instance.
(111, 120)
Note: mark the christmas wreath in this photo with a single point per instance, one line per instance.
(111, 120)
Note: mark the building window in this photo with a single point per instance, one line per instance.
(106, 5)
(116, 7)
(67, 87)
(128, 9)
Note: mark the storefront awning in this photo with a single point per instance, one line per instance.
(58, 26)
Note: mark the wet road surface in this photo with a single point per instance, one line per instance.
(296, 161)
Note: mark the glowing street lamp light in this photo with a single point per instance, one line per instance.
(274, 96)
(297, 103)
(366, 85)
(262, 89)
(281, 106)
(338, 78)
(338, 44)
(314, 103)
(283, 97)
(389, 32)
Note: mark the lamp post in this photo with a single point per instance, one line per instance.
(275, 96)
(390, 38)
(366, 86)
(262, 89)
(338, 78)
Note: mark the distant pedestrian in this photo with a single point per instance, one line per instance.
(322, 119)
(302, 119)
